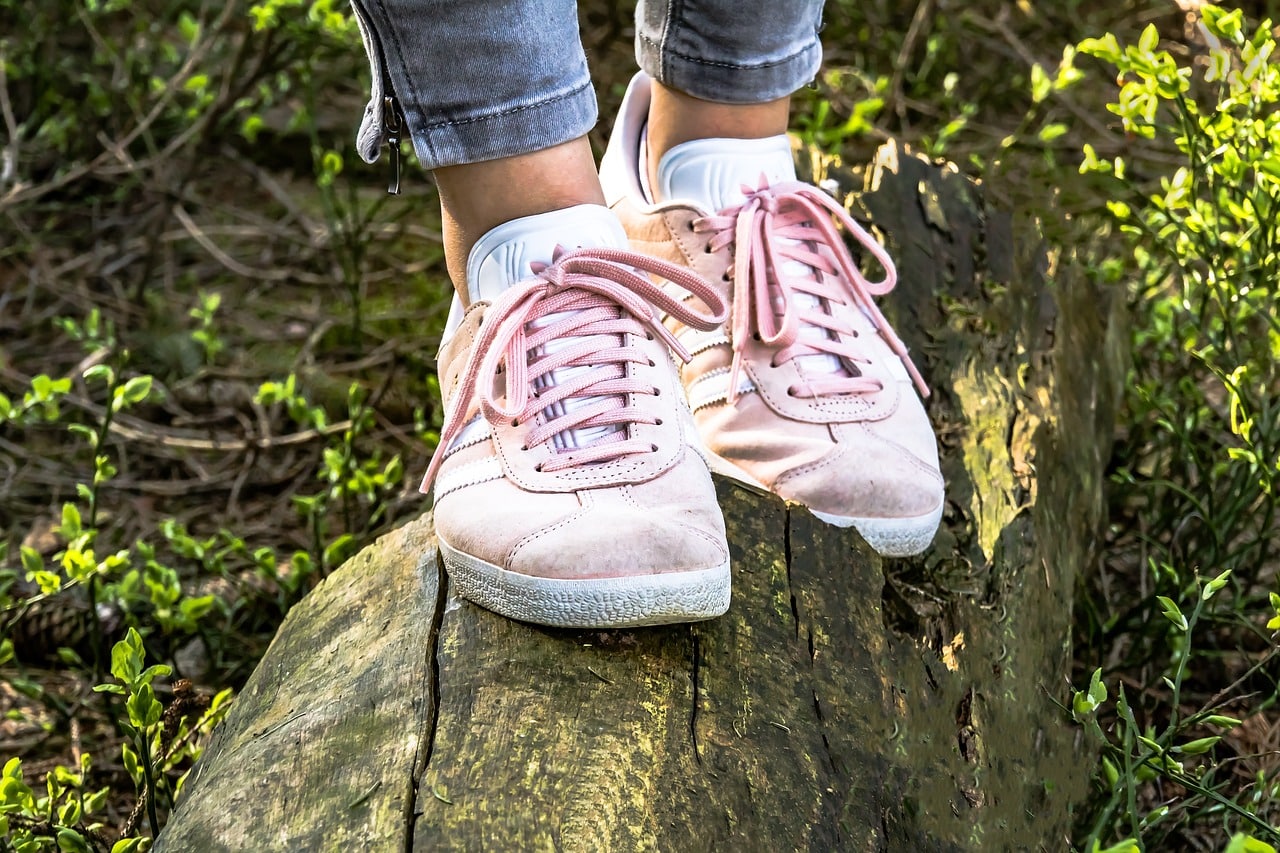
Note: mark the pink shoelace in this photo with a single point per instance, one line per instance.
(793, 222)
(593, 296)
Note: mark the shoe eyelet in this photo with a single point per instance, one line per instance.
(653, 448)
(538, 467)
(755, 336)
(657, 392)
(524, 448)
(652, 363)
(515, 422)
(725, 277)
(791, 392)
(648, 336)
(707, 249)
(658, 422)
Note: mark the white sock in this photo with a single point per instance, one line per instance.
(710, 173)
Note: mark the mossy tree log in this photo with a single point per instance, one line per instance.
(844, 703)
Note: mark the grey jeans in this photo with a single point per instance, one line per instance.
(474, 80)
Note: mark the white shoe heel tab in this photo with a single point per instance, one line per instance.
(502, 257)
(620, 166)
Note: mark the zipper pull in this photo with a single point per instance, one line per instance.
(391, 121)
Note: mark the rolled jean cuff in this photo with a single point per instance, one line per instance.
(730, 52)
(729, 84)
(518, 129)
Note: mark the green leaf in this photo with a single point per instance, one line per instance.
(32, 562)
(70, 841)
(70, 527)
(1242, 843)
(1198, 746)
(1270, 165)
(130, 760)
(1172, 613)
(1126, 846)
(1041, 85)
(101, 372)
(127, 845)
(127, 656)
(1084, 702)
(143, 707)
(1149, 39)
(155, 671)
(1212, 587)
(1106, 48)
(1110, 773)
(69, 812)
(135, 390)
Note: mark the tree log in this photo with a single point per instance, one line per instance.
(843, 703)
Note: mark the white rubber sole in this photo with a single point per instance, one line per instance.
(890, 537)
(625, 602)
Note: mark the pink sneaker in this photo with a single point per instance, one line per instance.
(806, 392)
(567, 488)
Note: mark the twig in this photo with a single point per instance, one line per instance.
(9, 166)
(222, 257)
(923, 10)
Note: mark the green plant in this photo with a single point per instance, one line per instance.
(1180, 754)
(358, 487)
(1200, 458)
(161, 745)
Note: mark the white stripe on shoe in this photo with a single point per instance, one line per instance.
(475, 431)
(713, 387)
(473, 473)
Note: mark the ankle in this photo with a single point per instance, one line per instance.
(676, 118)
(475, 198)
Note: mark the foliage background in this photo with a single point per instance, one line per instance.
(217, 336)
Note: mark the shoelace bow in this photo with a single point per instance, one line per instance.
(595, 295)
(792, 222)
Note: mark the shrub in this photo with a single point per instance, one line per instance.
(1201, 458)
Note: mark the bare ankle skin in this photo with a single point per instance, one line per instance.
(675, 117)
(477, 197)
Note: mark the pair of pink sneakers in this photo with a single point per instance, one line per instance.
(571, 480)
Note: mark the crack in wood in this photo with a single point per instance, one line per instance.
(697, 696)
(427, 735)
(786, 556)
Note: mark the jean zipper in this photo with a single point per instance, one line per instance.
(392, 115)
(393, 121)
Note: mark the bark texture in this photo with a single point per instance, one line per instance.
(844, 703)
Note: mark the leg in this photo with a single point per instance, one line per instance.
(475, 198)
(496, 100)
(723, 69)
(564, 492)
(807, 392)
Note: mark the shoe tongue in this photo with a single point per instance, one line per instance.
(711, 172)
(502, 257)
